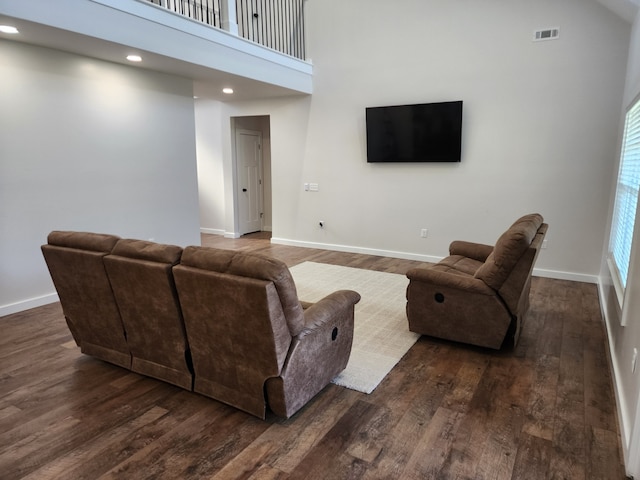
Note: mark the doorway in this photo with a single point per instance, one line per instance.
(252, 180)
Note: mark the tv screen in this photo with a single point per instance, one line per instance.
(428, 132)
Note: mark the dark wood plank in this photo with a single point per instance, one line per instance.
(533, 458)
(329, 457)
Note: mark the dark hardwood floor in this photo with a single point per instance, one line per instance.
(542, 410)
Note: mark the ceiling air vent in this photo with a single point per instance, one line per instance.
(546, 34)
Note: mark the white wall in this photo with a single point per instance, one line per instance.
(539, 131)
(88, 145)
(210, 166)
(622, 340)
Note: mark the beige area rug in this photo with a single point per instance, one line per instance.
(381, 332)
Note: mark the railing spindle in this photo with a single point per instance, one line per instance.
(277, 24)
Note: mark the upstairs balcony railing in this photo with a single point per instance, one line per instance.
(277, 24)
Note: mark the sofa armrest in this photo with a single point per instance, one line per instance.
(442, 279)
(323, 311)
(477, 251)
(317, 354)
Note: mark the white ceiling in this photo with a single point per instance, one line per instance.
(626, 9)
(192, 55)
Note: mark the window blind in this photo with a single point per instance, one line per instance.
(624, 214)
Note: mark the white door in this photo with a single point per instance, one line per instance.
(249, 186)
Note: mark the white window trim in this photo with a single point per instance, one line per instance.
(631, 132)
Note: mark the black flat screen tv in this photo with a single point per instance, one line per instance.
(427, 132)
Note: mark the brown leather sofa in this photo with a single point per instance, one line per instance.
(225, 324)
(479, 294)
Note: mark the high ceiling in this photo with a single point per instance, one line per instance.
(179, 46)
(264, 79)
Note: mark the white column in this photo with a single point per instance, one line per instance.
(228, 16)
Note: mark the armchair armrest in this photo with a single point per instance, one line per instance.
(477, 251)
(455, 307)
(442, 279)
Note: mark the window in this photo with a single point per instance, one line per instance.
(624, 213)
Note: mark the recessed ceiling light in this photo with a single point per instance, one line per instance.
(134, 58)
(8, 29)
(227, 90)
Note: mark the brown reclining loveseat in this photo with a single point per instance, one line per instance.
(226, 324)
(479, 294)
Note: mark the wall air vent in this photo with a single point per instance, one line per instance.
(546, 34)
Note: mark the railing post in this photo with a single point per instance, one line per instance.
(229, 20)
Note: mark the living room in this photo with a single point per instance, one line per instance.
(541, 132)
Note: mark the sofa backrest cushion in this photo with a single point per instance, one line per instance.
(252, 266)
(508, 250)
(96, 242)
(142, 280)
(151, 251)
(76, 264)
(240, 310)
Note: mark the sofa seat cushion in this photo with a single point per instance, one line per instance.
(458, 265)
(511, 245)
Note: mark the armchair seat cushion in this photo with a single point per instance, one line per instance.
(458, 265)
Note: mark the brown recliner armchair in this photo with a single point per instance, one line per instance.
(478, 294)
(141, 277)
(75, 261)
(251, 341)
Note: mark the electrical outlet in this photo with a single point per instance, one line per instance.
(424, 232)
(634, 360)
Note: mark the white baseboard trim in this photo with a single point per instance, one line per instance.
(576, 277)
(559, 275)
(351, 249)
(217, 231)
(624, 421)
(212, 231)
(27, 304)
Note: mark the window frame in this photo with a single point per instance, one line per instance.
(627, 189)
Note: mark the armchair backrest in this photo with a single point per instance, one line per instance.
(142, 280)
(75, 261)
(515, 290)
(509, 266)
(241, 311)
